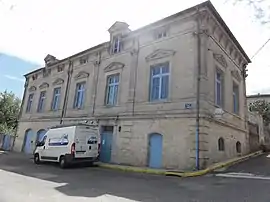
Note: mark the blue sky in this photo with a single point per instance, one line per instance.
(32, 29)
(12, 70)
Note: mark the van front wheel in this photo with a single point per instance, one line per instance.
(62, 162)
(36, 159)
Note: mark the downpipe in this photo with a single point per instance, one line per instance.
(197, 135)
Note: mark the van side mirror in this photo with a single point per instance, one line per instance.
(40, 144)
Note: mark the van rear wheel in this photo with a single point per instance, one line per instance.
(62, 162)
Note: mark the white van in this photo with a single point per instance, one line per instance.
(68, 144)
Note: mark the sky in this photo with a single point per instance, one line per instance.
(31, 29)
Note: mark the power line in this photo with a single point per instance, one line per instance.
(260, 48)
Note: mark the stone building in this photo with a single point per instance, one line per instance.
(150, 90)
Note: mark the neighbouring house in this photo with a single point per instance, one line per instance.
(144, 88)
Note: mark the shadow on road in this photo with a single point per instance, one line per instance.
(94, 181)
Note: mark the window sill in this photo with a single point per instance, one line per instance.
(158, 101)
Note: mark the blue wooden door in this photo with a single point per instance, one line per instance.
(40, 134)
(6, 142)
(106, 147)
(28, 142)
(155, 151)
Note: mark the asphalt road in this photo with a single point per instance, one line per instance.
(21, 180)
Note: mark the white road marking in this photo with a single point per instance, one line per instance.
(243, 175)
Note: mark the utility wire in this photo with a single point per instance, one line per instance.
(260, 48)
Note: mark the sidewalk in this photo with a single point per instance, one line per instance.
(211, 168)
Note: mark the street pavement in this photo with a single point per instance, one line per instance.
(21, 180)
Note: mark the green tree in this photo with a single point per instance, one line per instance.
(9, 111)
(262, 107)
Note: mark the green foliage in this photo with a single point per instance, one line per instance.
(262, 107)
(9, 111)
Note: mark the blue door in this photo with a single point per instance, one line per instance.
(28, 142)
(6, 142)
(155, 150)
(40, 134)
(106, 147)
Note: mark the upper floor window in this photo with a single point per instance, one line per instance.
(116, 44)
(112, 89)
(79, 95)
(235, 98)
(219, 88)
(159, 86)
(46, 72)
(83, 61)
(29, 102)
(161, 34)
(41, 102)
(56, 98)
(34, 77)
(60, 68)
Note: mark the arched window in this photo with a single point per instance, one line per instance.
(238, 147)
(221, 144)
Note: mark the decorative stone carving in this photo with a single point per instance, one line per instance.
(114, 66)
(236, 75)
(220, 59)
(81, 75)
(44, 85)
(58, 82)
(32, 88)
(160, 53)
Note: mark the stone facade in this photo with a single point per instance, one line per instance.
(185, 41)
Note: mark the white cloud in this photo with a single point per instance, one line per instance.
(14, 78)
(31, 29)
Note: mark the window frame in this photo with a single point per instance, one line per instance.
(113, 85)
(118, 40)
(221, 82)
(58, 95)
(77, 90)
(236, 109)
(30, 100)
(161, 76)
(221, 144)
(41, 105)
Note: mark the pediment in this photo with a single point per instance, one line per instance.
(220, 59)
(58, 82)
(114, 66)
(160, 53)
(32, 88)
(44, 85)
(236, 75)
(118, 26)
(81, 75)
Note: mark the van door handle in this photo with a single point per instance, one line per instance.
(44, 147)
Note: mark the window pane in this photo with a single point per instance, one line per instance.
(155, 88)
(218, 76)
(155, 71)
(218, 95)
(164, 87)
(165, 69)
(115, 94)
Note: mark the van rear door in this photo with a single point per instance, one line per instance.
(86, 142)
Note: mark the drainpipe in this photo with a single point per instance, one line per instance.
(135, 52)
(198, 92)
(70, 71)
(96, 84)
